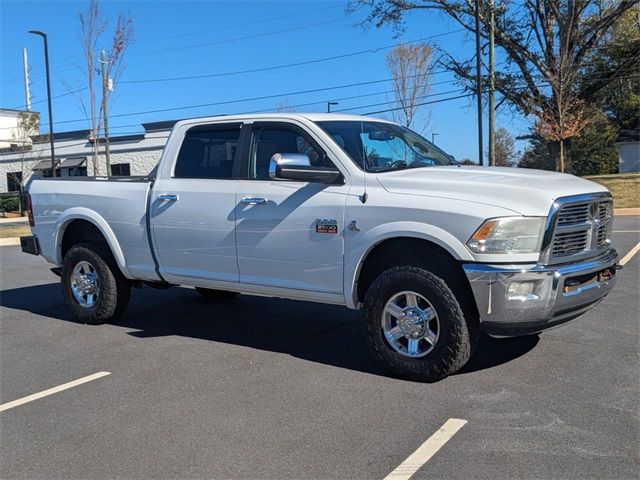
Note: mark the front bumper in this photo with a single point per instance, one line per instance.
(558, 293)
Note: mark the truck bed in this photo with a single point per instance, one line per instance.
(117, 205)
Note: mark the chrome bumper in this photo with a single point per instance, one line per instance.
(559, 293)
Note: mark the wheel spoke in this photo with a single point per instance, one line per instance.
(394, 334)
(412, 346)
(430, 313)
(412, 300)
(394, 310)
(430, 336)
(90, 299)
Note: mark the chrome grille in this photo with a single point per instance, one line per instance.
(581, 229)
(572, 214)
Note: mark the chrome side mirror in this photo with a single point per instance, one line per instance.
(288, 159)
(297, 166)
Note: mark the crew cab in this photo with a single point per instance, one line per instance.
(340, 209)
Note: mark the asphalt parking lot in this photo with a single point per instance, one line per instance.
(268, 388)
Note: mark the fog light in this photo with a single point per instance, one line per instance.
(522, 291)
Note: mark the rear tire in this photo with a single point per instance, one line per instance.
(426, 343)
(93, 287)
(211, 294)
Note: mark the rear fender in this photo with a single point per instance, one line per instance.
(81, 213)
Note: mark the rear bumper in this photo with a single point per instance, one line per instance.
(29, 244)
(557, 293)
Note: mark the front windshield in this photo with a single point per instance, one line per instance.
(384, 147)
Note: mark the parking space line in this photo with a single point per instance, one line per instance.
(427, 450)
(626, 231)
(51, 391)
(630, 255)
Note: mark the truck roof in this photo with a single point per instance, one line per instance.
(313, 116)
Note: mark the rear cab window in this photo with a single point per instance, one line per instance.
(208, 151)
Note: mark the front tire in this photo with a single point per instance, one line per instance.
(93, 287)
(415, 326)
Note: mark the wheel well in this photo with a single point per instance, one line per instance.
(417, 252)
(79, 231)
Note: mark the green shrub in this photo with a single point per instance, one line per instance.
(10, 204)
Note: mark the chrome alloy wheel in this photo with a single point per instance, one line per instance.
(84, 284)
(410, 324)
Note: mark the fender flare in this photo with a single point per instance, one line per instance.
(354, 259)
(88, 215)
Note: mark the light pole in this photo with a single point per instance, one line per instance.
(46, 65)
(329, 106)
(433, 137)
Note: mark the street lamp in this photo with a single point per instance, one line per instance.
(433, 137)
(46, 64)
(329, 106)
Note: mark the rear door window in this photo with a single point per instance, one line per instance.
(208, 152)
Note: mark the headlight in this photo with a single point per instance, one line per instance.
(508, 235)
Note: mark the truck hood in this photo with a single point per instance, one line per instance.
(524, 191)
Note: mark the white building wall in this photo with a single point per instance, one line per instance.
(629, 161)
(141, 154)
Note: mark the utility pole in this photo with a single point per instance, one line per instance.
(27, 93)
(329, 106)
(46, 66)
(492, 86)
(433, 137)
(479, 83)
(105, 86)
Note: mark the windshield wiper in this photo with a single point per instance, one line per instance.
(399, 166)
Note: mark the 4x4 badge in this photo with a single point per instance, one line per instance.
(326, 226)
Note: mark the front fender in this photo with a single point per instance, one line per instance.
(366, 241)
(82, 213)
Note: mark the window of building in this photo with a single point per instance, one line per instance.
(207, 152)
(14, 179)
(120, 170)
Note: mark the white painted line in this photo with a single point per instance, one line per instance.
(427, 450)
(51, 391)
(9, 242)
(626, 231)
(630, 255)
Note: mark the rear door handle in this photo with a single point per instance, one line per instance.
(253, 200)
(168, 197)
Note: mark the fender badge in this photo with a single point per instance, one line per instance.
(326, 226)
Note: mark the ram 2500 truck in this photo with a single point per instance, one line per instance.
(339, 209)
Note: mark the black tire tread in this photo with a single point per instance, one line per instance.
(115, 290)
(444, 359)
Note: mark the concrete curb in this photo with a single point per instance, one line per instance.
(14, 220)
(9, 242)
(621, 212)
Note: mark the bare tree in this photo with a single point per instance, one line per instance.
(546, 43)
(410, 66)
(505, 151)
(92, 27)
(28, 126)
(284, 106)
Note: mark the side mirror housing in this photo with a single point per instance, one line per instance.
(297, 166)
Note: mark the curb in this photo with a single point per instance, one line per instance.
(621, 212)
(14, 220)
(10, 242)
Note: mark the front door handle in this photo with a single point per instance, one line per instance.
(253, 201)
(168, 197)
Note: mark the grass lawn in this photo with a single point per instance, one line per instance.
(625, 188)
(7, 231)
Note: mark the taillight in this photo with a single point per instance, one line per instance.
(29, 209)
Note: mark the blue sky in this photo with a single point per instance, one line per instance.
(178, 39)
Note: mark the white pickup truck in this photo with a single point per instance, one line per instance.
(338, 209)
